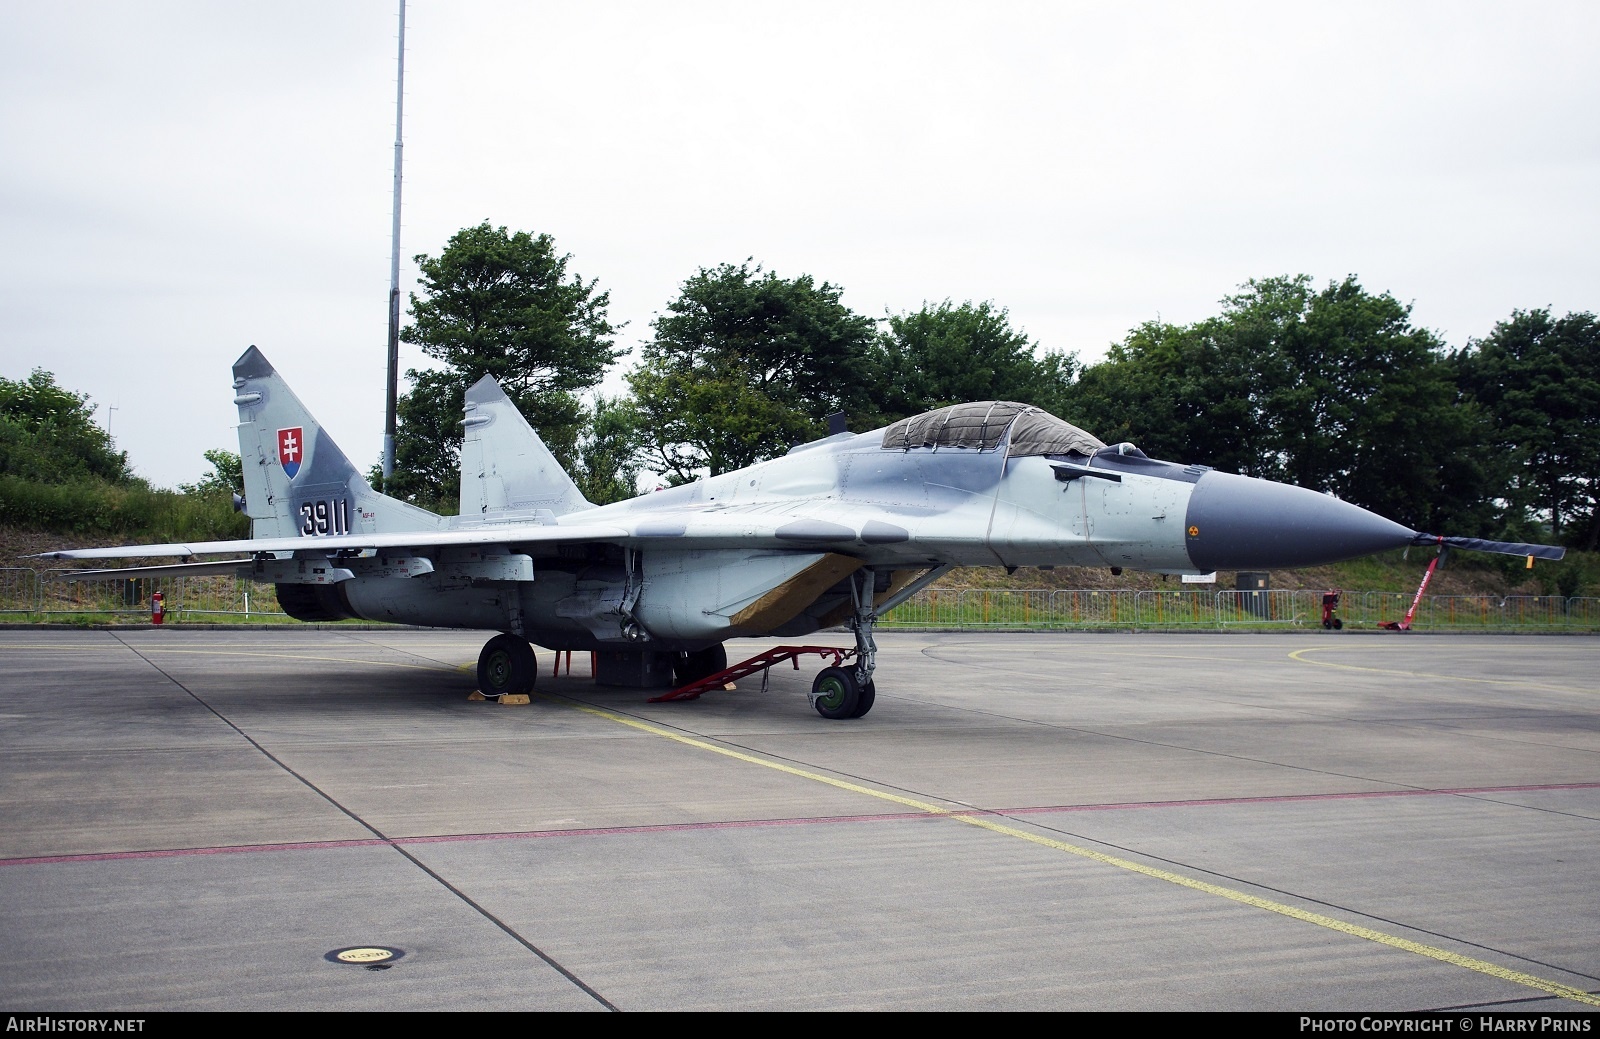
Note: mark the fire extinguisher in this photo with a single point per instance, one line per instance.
(158, 608)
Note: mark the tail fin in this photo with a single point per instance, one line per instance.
(296, 480)
(505, 467)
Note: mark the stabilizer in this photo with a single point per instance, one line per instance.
(296, 480)
(505, 467)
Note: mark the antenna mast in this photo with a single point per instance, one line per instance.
(394, 268)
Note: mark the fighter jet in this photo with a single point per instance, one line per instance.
(836, 532)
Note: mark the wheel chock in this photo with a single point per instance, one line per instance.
(475, 695)
(515, 698)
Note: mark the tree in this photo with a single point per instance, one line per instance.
(946, 354)
(1332, 390)
(48, 434)
(743, 365)
(226, 475)
(1180, 392)
(1364, 405)
(501, 304)
(1538, 380)
(608, 451)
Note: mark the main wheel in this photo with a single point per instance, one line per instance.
(866, 698)
(835, 693)
(713, 659)
(691, 667)
(506, 665)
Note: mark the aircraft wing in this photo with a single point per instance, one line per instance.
(487, 535)
(793, 525)
(222, 566)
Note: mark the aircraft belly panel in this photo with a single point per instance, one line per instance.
(425, 600)
(697, 595)
(785, 601)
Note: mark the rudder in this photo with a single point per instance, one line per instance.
(505, 467)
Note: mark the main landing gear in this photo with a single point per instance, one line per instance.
(849, 692)
(506, 666)
(691, 667)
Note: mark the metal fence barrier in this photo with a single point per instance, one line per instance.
(1041, 609)
(52, 593)
(47, 593)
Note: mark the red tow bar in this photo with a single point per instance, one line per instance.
(1405, 625)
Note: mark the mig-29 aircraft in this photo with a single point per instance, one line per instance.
(837, 531)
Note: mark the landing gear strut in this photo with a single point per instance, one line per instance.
(849, 692)
(506, 666)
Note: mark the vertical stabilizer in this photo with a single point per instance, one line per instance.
(296, 480)
(505, 467)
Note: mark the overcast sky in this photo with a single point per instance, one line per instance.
(181, 180)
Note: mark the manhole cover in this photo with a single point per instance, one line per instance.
(375, 957)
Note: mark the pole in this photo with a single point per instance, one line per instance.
(394, 268)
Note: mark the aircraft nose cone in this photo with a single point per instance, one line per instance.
(1241, 523)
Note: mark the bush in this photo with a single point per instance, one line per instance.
(134, 511)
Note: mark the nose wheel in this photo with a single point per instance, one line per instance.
(837, 694)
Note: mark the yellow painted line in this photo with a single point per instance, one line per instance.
(738, 755)
(301, 656)
(1553, 988)
(1522, 683)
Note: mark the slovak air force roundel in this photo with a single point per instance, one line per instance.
(291, 450)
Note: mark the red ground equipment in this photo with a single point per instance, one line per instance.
(158, 608)
(1405, 625)
(760, 662)
(1330, 608)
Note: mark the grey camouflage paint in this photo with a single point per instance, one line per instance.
(675, 568)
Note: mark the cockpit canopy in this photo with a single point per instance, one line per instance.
(983, 426)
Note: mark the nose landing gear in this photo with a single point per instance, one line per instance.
(849, 692)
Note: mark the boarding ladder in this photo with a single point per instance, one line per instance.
(760, 662)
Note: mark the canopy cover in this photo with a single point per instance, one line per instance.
(983, 425)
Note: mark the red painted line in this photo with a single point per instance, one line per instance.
(741, 824)
(169, 853)
(455, 838)
(606, 831)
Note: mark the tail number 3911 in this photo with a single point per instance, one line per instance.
(326, 516)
